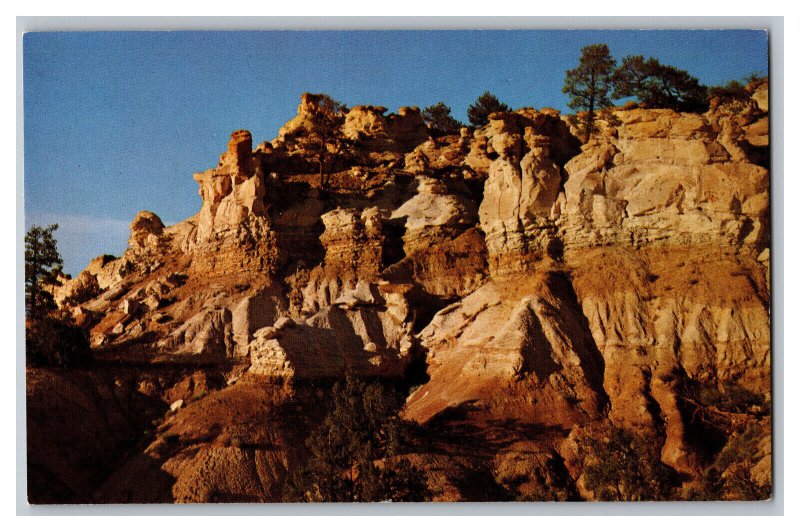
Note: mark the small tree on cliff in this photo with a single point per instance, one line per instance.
(49, 339)
(322, 134)
(659, 86)
(590, 84)
(440, 121)
(43, 264)
(486, 104)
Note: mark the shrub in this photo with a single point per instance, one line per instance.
(361, 430)
(731, 92)
(50, 341)
(730, 475)
(625, 467)
(732, 398)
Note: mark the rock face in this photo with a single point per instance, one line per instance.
(145, 230)
(664, 177)
(399, 132)
(232, 191)
(501, 334)
(362, 332)
(517, 213)
(433, 215)
(510, 274)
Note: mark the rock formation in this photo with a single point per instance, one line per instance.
(509, 274)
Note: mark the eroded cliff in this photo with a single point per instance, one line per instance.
(515, 277)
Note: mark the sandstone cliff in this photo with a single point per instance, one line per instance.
(514, 274)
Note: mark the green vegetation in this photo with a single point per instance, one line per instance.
(730, 476)
(659, 86)
(43, 265)
(440, 121)
(50, 339)
(590, 84)
(353, 454)
(53, 341)
(486, 104)
(626, 467)
(732, 398)
(597, 81)
(731, 92)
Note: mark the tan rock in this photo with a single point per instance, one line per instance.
(522, 189)
(434, 214)
(253, 313)
(145, 230)
(330, 342)
(665, 179)
(521, 332)
(232, 191)
(399, 132)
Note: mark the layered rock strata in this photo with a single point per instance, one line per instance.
(535, 278)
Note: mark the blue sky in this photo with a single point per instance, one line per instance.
(117, 122)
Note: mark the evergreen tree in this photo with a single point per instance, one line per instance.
(486, 104)
(43, 264)
(659, 86)
(49, 339)
(322, 134)
(590, 84)
(440, 121)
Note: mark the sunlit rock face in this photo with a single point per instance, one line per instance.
(508, 272)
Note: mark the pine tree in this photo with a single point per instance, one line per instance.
(486, 104)
(322, 135)
(659, 86)
(440, 121)
(49, 339)
(43, 264)
(590, 84)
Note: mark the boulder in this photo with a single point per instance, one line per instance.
(146, 228)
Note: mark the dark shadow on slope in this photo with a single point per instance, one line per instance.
(591, 359)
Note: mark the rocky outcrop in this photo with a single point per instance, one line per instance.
(146, 229)
(354, 244)
(364, 332)
(518, 209)
(434, 215)
(520, 279)
(375, 132)
(528, 336)
(232, 228)
(232, 191)
(663, 177)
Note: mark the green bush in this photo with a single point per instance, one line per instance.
(625, 467)
(439, 120)
(486, 104)
(361, 431)
(50, 341)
